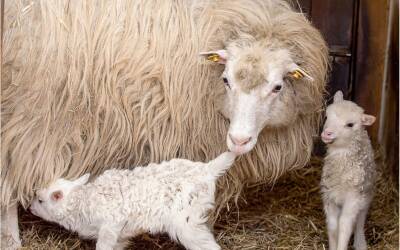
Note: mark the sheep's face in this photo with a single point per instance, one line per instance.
(259, 92)
(49, 201)
(344, 120)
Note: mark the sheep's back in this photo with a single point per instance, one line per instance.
(119, 84)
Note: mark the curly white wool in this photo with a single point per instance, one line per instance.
(173, 197)
(349, 172)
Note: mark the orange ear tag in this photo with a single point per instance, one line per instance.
(213, 57)
(297, 74)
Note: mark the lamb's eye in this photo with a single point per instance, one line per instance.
(40, 201)
(277, 88)
(350, 124)
(226, 82)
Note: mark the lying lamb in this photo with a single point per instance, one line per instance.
(172, 197)
(348, 174)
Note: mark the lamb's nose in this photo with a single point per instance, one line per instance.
(239, 141)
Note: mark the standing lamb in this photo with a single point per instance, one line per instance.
(173, 196)
(349, 173)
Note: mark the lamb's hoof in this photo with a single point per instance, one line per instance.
(9, 243)
(361, 246)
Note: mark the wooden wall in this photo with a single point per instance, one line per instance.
(388, 135)
(372, 34)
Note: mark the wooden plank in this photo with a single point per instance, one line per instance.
(389, 132)
(334, 18)
(370, 59)
(339, 77)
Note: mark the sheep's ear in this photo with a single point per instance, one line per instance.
(57, 195)
(367, 120)
(82, 180)
(296, 72)
(218, 56)
(338, 97)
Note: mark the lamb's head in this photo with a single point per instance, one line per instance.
(49, 201)
(259, 90)
(344, 121)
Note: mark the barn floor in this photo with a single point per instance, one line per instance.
(287, 216)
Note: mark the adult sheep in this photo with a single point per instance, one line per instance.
(89, 86)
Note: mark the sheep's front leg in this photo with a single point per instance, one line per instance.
(347, 219)
(359, 237)
(332, 212)
(108, 237)
(9, 228)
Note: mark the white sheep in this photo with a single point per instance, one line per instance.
(73, 103)
(173, 197)
(349, 172)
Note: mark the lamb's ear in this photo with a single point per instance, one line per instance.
(297, 72)
(367, 120)
(218, 56)
(82, 180)
(338, 97)
(57, 195)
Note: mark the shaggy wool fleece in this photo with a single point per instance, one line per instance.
(93, 85)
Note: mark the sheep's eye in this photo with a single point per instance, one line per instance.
(226, 82)
(350, 124)
(277, 88)
(40, 201)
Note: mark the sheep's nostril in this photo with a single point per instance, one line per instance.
(327, 134)
(239, 141)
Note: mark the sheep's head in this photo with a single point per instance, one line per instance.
(48, 201)
(259, 91)
(344, 120)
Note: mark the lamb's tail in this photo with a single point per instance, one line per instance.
(221, 164)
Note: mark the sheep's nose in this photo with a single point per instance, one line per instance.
(239, 141)
(327, 133)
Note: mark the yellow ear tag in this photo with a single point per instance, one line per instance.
(213, 57)
(297, 74)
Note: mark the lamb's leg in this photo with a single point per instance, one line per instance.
(108, 237)
(196, 237)
(347, 219)
(120, 246)
(9, 228)
(359, 237)
(332, 212)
